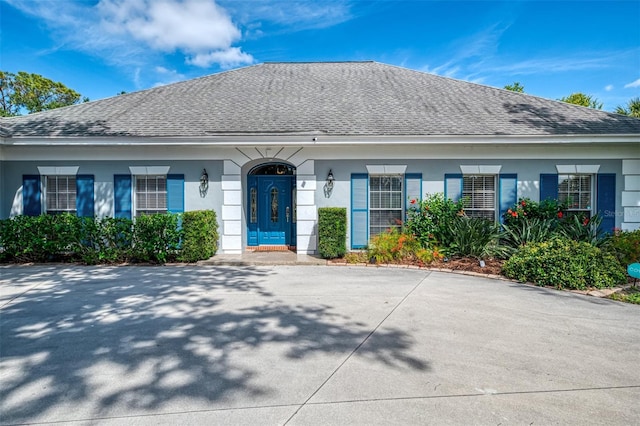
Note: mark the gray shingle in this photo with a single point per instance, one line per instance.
(332, 98)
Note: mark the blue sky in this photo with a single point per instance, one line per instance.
(553, 48)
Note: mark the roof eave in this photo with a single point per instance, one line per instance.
(316, 140)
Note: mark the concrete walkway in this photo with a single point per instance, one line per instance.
(263, 258)
(308, 345)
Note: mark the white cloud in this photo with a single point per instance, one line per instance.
(608, 87)
(228, 58)
(190, 25)
(633, 84)
(137, 32)
(198, 28)
(137, 35)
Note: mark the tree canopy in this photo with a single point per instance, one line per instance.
(25, 92)
(515, 87)
(631, 109)
(583, 100)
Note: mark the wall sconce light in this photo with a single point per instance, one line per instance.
(328, 186)
(330, 180)
(204, 183)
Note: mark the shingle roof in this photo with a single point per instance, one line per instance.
(331, 98)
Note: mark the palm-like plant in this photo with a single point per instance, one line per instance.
(479, 238)
(523, 232)
(632, 109)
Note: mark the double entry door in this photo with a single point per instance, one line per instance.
(270, 210)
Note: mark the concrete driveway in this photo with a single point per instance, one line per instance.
(305, 345)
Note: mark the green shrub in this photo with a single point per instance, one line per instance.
(477, 238)
(565, 263)
(430, 219)
(199, 235)
(65, 236)
(581, 228)
(533, 230)
(117, 239)
(106, 240)
(525, 209)
(332, 232)
(396, 247)
(356, 257)
(156, 238)
(39, 238)
(391, 246)
(631, 295)
(625, 246)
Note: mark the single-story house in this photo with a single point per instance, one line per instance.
(265, 146)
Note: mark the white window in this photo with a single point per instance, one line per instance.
(576, 191)
(385, 203)
(479, 191)
(60, 194)
(151, 194)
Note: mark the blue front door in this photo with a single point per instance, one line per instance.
(270, 212)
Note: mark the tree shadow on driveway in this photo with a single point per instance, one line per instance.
(139, 338)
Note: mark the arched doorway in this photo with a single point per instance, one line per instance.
(271, 207)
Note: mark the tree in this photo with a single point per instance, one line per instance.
(33, 93)
(583, 100)
(632, 109)
(515, 87)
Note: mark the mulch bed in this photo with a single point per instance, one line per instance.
(467, 264)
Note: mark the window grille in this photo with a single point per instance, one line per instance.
(151, 194)
(576, 192)
(479, 191)
(60, 194)
(385, 203)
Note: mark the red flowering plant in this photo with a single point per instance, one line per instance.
(430, 219)
(531, 222)
(525, 209)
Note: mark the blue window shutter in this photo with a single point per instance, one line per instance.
(606, 202)
(359, 210)
(508, 192)
(548, 187)
(453, 186)
(413, 186)
(175, 193)
(31, 195)
(122, 195)
(413, 190)
(85, 195)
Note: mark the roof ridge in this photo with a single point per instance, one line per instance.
(320, 62)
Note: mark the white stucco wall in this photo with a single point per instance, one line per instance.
(631, 195)
(228, 166)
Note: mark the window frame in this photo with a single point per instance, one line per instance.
(47, 193)
(469, 208)
(137, 211)
(372, 228)
(589, 209)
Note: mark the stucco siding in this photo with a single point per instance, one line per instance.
(229, 199)
(433, 171)
(103, 172)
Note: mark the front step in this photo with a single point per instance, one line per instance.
(272, 248)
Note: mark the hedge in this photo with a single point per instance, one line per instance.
(200, 235)
(332, 232)
(160, 238)
(565, 263)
